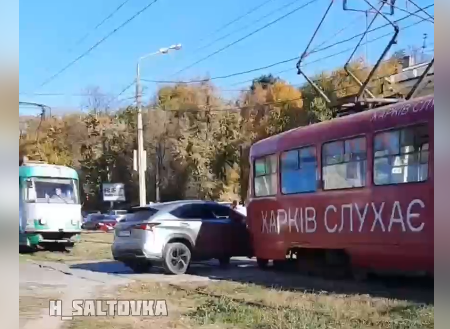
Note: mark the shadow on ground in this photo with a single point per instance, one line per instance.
(245, 271)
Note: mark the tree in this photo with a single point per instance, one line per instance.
(339, 84)
(197, 144)
(272, 109)
(97, 102)
(264, 81)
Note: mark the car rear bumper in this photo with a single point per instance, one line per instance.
(133, 254)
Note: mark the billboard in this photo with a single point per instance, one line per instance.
(113, 192)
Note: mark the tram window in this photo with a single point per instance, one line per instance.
(266, 180)
(344, 164)
(401, 156)
(299, 171)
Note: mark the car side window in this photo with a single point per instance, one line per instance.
(221, 212)
(194, 211)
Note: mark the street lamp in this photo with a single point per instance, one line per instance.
(141, 161)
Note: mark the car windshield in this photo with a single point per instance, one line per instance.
(141, 214)
(52, 190)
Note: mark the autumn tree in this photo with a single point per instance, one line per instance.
(96, 101)
(197, 143)
(339, 83)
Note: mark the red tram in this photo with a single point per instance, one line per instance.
(358, 189)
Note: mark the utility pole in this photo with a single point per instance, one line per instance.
(140, 152)
(157, 174)
(424, 46)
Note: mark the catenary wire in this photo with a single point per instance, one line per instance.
(251, 11)
(107, 18)
(246, 36)
(246, 26)
(421, 9)
(277, 63)
(98, 43)
(321, 59)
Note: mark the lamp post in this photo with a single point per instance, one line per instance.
(140, 126)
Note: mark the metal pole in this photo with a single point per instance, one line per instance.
(157, 178)
(142, 187)
(367, 38)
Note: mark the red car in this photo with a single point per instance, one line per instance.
(97, 221)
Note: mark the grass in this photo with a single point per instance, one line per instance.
(93, 246)
(233, 305)
(33, 302)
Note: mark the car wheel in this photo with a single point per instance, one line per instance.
(140, 267)
(177, 258)
(224, 261)
(262, 263)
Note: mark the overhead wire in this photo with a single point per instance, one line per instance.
(239, 108)
(247, 36)
(286, 60)
(198, 81)
(98, 43)
(321, 59)
(431, 20)
(266, 103)
(251, 11)
(84, 37)
(100, 24)
(124, 90)
(246, 26)
(370, 31)
(421, 9)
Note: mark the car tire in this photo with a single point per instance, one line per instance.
(262, 263)
(224, 261)
(181, 254)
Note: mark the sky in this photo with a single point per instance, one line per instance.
(51, 31)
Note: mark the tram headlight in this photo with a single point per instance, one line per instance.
(75, 222)
(42, 221)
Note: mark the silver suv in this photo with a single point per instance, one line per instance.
(176, 233)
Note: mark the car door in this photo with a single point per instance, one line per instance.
(210, 239)
(237, 234)
(224, 223)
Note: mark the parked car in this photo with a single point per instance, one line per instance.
(119, 214)
(176, 233)
(86, 215)
(94, 221)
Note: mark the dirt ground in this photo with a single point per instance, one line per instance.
(93, 246)
(210, 297)
(233, 305)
